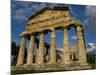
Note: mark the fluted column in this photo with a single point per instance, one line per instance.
(66, 52)
(81, 45)
(20, 60)
(30, 50)
(41, 49)
(53, 47)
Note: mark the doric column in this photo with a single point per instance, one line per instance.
(20, 60)
(30, 50)
(41, 49)
(53, 47)
(81, 45)
(66, 52)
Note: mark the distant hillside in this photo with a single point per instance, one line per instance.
(93, 52)
(91, 49)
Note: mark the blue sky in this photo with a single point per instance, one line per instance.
(21, 10)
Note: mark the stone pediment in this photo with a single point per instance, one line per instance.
(48, 18)
(48, 8)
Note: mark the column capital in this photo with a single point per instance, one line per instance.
(52, 29)
(31, 33)
(79, 25)
(80, 33)
(65, 27)
(23, 34)
(43, 31)
(79, 28)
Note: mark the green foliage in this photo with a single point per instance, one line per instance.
(91, 59)
(13, 48)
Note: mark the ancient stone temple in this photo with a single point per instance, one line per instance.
(49, 20)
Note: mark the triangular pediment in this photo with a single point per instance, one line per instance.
(48, 18)
(48, 8)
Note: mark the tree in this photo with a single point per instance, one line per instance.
(13, 48)
(13, 52)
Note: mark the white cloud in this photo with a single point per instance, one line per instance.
(73, 37)
(91, 47)
(91, 11)
(19, 17)
(90, 21)
(22, 10)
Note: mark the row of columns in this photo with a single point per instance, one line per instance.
(40, 51)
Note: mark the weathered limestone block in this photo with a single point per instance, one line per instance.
(66, 52)
(20, 60)
(41, 49)
(81, 45)
(53, 48)
(30, 50)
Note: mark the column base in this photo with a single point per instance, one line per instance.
(82, 63)
(36, 68)
(19, 64)
(51, 63)
(28, 64)
(66, 62)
